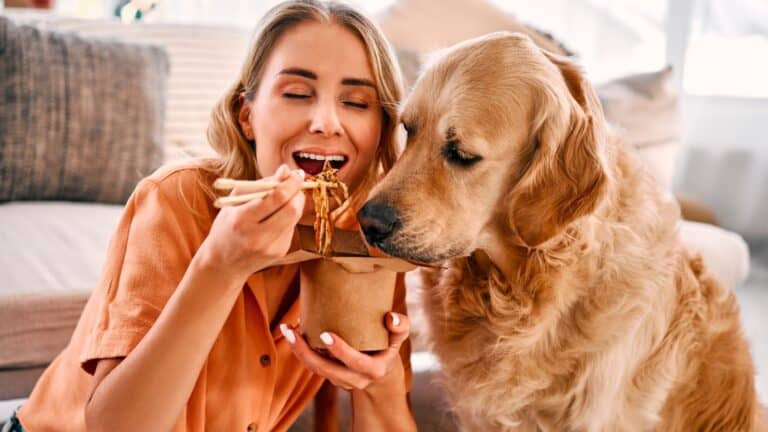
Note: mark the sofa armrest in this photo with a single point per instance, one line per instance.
(725, 252)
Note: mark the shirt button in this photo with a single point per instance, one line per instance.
(265, 360)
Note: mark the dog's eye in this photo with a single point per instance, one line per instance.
(454, 155)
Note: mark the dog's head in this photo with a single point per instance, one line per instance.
(503, 138)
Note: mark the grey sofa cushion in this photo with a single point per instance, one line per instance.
(80, 119)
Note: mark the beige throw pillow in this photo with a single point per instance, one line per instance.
(80, 119)
(644, 110)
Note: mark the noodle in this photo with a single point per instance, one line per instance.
(329, 186)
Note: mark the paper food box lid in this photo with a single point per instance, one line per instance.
(348, 249)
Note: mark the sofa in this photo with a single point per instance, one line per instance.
(53, 239)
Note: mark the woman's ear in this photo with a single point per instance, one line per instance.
(566, 179)
(244, 118)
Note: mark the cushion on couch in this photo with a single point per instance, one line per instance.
(204, 62)
(80, 119)
(644, 109)
(50, 262)
(724, 252)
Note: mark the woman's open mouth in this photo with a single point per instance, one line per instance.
(312, 163)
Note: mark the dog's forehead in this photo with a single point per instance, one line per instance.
(477, 112)
(484, 66)
(438, 91)
(428, 98)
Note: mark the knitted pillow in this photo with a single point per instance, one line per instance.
(80, 119)
(644, 109)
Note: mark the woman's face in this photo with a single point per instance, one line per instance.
(316, 101)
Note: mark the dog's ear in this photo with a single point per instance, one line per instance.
(565, 179)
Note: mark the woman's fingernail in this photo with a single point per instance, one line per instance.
(288, 333)
(395, 319)
(300, 173)
(326, 338)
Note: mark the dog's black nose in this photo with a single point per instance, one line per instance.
(378, 221)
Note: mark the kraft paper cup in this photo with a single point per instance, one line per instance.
(352, 305)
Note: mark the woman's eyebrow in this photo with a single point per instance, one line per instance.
(313, 76)
(300, 72)
(357, 82)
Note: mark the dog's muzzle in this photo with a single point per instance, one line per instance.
(379, 222)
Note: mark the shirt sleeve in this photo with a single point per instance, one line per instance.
(147, 257)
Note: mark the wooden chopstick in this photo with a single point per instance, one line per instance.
(252, 189)
(231, 200)
(262, 185)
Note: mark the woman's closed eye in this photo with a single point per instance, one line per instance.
(359, 104)
(296, 95)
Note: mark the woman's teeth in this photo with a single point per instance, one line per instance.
(338, 158)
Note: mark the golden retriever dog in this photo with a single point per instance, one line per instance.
(560, 297)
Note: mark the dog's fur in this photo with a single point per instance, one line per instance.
(564, 299)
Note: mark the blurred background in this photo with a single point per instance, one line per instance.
(684, 81)
(719, 49)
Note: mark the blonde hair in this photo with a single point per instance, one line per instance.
(237, 157)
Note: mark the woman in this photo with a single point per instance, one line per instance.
(191, 326)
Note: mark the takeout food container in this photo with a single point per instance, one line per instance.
(348, 293)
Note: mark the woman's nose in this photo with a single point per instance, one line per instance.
(325, 119)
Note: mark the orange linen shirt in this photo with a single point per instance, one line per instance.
(250, 376)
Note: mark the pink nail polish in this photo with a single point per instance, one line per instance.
(288, 333)
(326, 338)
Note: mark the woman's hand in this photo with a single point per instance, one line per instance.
(357, 371)
(249, 237)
